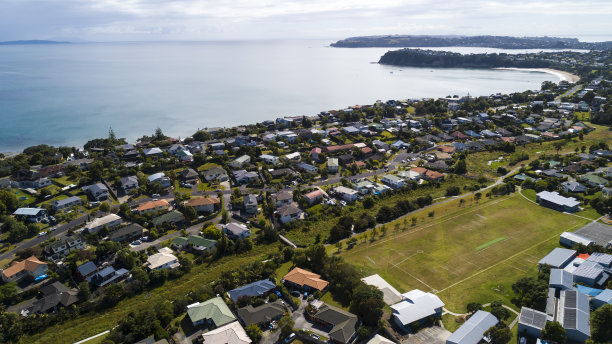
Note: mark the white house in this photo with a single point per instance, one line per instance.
(236, 231)
(347, 194)
(162, 260)
(240, 161)
(416, 307)
(393, 181)
(269, 159)
(110, 221)
(289, 213)
(67, 203)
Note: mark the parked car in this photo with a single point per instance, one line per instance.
(155, 195)
(290, 338)
(42, 234)
(315, 336)
(136, 242)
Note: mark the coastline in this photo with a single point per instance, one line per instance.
(567, 76)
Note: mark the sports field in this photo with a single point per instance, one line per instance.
(469, 253)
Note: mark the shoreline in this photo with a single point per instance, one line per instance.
(567, 76)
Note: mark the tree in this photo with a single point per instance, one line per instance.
(8, 292)
(254, 332)
(286, 325)
(473, 307)
(460, 167)
(558, 145)
(530, 292)
(601, 331)
(554, 332)
(190, 213)
(84, 292)
(367, 303)
(211, 232)
(498, 310)
(499, 334)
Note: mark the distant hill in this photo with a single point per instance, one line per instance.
(31, 42)
(501, 42)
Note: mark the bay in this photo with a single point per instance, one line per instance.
(68, 94)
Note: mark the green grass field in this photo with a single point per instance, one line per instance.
(471, 253)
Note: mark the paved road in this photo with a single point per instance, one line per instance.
(37, 240)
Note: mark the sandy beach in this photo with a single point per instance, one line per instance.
(559, 73)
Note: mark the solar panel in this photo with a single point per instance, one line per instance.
(569, 318)
(532, 318)
(570, 299)
(539, 319)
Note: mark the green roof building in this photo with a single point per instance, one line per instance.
(174, 216)
(213, 312)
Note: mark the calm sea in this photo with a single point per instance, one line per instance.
(67, 94)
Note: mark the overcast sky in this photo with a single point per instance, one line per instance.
(128, 20)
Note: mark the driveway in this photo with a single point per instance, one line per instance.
(302, 323)
(429, 335)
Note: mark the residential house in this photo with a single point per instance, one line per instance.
(303, 279)
(64, 245)
(129, 183)
(313, 196)
(261, 315)
(215, 173)
(86, 271)
(30, 214)
(249, 204)
(204, 204)
(347, 194)
(240, 161)
(558, 258)
(417, 306)
(110, 221)
(173, 217)
(314, 153)
(232, 333)
(332, 165)
(380, 145)
(211, 313)
(109, 275)
(127, 233)
(282, 198)
(164, 259)
(161, 178)
(472, 331)
(269, 159)
(394, 182)
(97, 192)
(244, 177)
(67, 203)
(194, 242)
(594, 180)
(433, 175)
(236, 231)
(573, 187)
(288, 213)
(189, 176)
(152, 206)
(342, 325)
(153, 152)
(295, 156)
(308, 168)
(555, 201)
(258, 288)
(31, 268)
(54, 296)
(185, 156)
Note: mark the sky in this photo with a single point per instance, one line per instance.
(154, 20)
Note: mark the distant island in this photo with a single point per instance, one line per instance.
(501, 42)
(31, 42)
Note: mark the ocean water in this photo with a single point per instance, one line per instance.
(68, 94)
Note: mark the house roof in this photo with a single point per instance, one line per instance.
(416, 306)
(130, 229)
(283, 195)
(28, 211)
(198, 241)
(343, 322)
(260, 314)
(314, 194)
(601, 258)
(473, 329)
(288, 210)
(257, 288)
(561, 278)
(555, 198)
(87, 268)
(533, 318)
(232, 333)
(305, 278)
(101, 221)
(156, 260)
(173, 216)
(589, 270)
(153, 204)
(214, 309)
(390, 294)
(574, 311)
(200, 201)
(29, 264)
(60, 203)
(378, 339)
(236, 229)
(558, 258)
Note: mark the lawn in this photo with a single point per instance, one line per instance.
(471, 253)
(95, 322)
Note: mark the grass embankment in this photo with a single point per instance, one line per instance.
(478, 163)
(322, 226)
(441, 255)
(95, 322)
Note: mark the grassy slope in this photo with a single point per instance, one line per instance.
(95, 322)
(439, 254)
